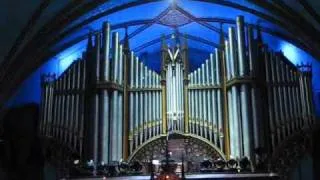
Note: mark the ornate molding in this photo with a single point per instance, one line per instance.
(291, 151)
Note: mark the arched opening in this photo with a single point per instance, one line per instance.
(192, 148)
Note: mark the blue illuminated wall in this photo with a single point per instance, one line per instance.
(30, 90)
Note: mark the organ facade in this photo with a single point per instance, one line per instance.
(109, 106)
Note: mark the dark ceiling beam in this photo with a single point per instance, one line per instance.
(29, 26)
(150, 43)
(131, 23)
(199, 39)
(188, 36)
(310, 10)
(193, 18)
(155, 20)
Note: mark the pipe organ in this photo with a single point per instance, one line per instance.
(108, 104)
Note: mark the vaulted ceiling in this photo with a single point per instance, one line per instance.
(38, 30)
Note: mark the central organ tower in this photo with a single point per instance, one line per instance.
(174, 66)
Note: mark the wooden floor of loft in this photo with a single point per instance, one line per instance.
(221, 176)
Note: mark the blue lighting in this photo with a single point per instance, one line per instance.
(291, 52)
(30, 90)
(69, 55)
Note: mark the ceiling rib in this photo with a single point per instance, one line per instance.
(30, 24)
(189, 15)
(144, 27)
(310, 10)
(186, 35)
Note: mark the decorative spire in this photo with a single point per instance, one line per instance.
(126, 44)
(89, 44)
(221, 42)
(176, 37)
(259, 34)
(173, 4)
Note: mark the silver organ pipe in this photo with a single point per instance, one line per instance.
(299, 100)
(63, 111)
(85, 108)
(159, 105)
(201, 100)
(282, 99)
(196, 96)
(59, 116)
(106, 52)
(241, 46)
(255, 97)
(219, 102)
(44, 104)
(293, 102)
(304, 94)
(120, 103)
(229, 100)
(72, 106)
(120, 125)
(152, 103)
(231, 126)
(279, 97)
(82, 106)
(51, 96)
(137, 104)
(55, 109)
(95, 110)
(132, 114)
(214, 100)
(228, 63)
(141, 105)
(235, 94)
(190, 105)
(285, 95)
(269, 81)
(67, 109)
(244, 92)
(104, 96)
(207, 117)
(145, 103)
(290, 111)
(76, 104)
(276, 97)
(114, 100)
(150, 98)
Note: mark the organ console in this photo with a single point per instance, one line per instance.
(108, 104)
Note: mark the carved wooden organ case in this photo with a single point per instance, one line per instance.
(108, 104)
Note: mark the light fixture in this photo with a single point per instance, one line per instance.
(76, 162)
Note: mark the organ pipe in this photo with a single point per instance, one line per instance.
(106, 52)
